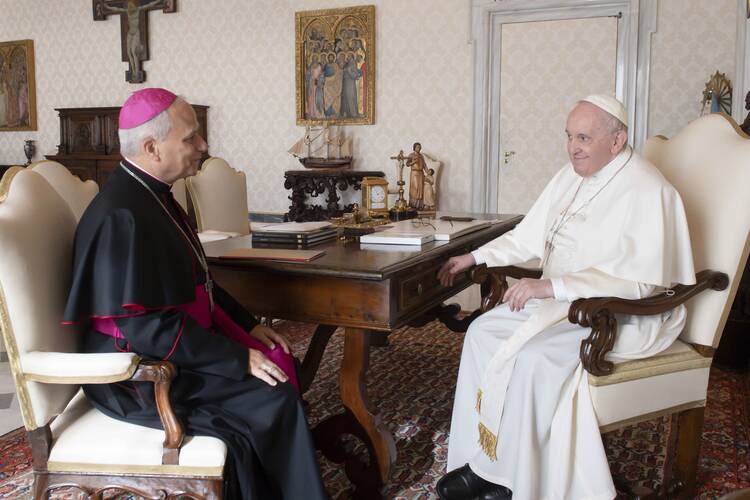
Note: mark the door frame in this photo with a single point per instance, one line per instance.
(741, 68)
(637, 24)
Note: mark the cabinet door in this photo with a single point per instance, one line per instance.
(84, 134)
(111, 139)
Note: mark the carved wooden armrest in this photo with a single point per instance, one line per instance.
(161, 373)
(495, 279)
(599, 314)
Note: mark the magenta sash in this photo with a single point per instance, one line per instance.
(200, 311)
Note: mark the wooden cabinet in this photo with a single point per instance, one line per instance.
(89, 146)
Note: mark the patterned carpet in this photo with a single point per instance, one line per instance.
(412, 381)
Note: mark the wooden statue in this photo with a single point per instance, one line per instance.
(133, 29)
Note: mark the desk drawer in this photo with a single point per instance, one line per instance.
(417, 288)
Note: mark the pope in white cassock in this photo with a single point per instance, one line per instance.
(607, 224)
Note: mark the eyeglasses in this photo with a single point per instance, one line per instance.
(421, 222)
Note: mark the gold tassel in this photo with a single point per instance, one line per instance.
(479, 401)
(488, 442)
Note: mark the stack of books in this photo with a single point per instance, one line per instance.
(294, 235)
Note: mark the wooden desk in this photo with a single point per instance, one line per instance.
(369, 291)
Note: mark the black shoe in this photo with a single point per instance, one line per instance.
(461, 484)
(494, 492)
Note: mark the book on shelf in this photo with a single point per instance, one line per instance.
(274, 254)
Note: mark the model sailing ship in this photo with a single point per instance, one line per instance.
(323, 147)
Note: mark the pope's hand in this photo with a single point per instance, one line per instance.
(264, 368)
(520, 292)
(268, 336)
(447, 274)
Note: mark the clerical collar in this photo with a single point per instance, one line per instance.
(157, 185)
(611, 168)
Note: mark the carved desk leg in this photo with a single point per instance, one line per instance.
(359, 420)
(314, 355)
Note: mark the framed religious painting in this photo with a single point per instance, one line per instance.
(335, 66)
(17, 86)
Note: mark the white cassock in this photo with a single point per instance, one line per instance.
(522, 415)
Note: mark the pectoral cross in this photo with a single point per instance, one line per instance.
(133, 29)
(209, 286)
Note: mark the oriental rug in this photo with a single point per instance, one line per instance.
(411, 382)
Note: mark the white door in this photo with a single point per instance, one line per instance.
(545, 67)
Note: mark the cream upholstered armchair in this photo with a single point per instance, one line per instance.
(75, 193)
(179, 191)
(708, 164)
(219, 196)
(73, 444)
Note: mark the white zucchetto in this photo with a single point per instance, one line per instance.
(610, 105)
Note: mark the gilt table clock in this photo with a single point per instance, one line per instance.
(375, 196)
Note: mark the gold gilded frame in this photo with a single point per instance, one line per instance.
(10, 67)
(312, 30)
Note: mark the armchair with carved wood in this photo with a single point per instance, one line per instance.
(219, 196)
(707, 162)
(73, 444)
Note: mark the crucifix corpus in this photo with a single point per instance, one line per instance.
(133, 29)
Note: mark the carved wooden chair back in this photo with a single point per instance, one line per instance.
(219, 196)
(73, 443)
(708, 162)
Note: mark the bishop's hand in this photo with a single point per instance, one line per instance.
(268, 336)
(265, 369)
(527, 288)
(447, 274)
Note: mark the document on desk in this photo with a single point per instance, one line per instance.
(421, 231)
(275, 254)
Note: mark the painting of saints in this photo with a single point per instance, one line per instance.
(334, 65)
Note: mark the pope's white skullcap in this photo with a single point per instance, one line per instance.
(610, 105)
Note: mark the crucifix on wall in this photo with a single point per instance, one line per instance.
(133, 29)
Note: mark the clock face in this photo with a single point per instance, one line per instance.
(377, 194)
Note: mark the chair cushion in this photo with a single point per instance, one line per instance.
(637, 390)
(86, 440)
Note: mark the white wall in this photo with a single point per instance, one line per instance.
(237, 56)
(694, 38)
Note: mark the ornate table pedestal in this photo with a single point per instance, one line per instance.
(312, 183)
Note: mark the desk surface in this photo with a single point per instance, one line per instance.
(362, 261)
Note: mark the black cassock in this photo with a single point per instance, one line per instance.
(133, 265)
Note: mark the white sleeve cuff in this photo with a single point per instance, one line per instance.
(478, 257)
(558, 289)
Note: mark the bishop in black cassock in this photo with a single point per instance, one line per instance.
(141, 284)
